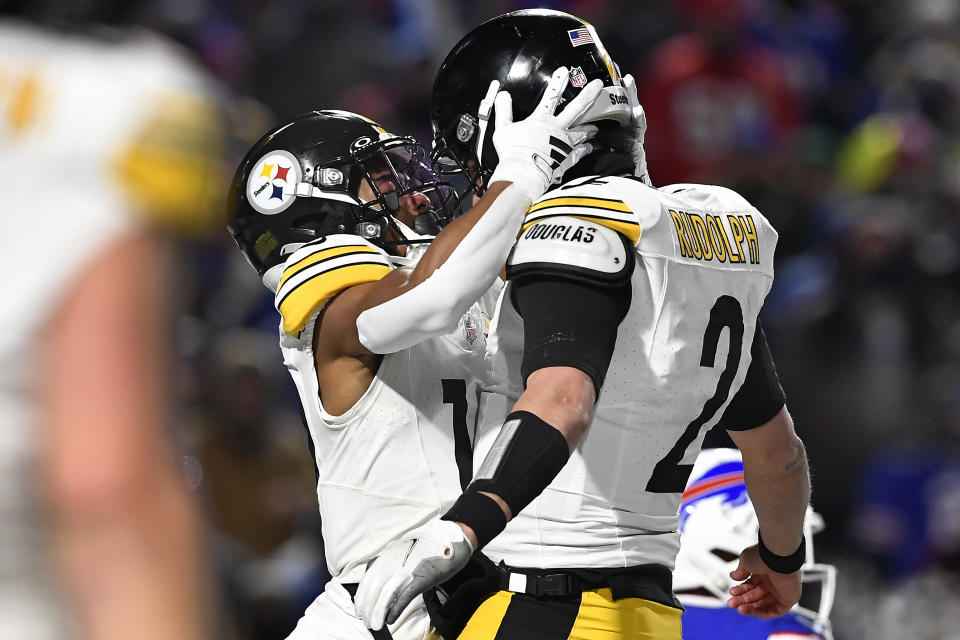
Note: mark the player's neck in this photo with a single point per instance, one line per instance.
(602, 163)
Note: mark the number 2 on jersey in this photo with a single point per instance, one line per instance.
(669, 476)
(455, 393)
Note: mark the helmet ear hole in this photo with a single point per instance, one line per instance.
(307, 224)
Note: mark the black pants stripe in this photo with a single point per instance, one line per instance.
(526, 618)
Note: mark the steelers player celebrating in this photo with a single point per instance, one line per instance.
(331, 210)
(638, 309)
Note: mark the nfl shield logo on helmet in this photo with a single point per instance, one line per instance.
(578, 78)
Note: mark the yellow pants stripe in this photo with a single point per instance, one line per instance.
(485, 622)
(509, 616)
(603, 618)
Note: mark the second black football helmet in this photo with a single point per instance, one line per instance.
(303, 180)
(520, 50)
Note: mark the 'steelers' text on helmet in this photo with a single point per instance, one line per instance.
(301, 181)
(718, 521)
(520, 50)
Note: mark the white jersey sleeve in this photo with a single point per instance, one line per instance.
(430, 308)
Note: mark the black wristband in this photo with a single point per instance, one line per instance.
(526, 456)
(782, 564)
(479, 512)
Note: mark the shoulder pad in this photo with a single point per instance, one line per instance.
(321, 269)
(584, 201)
(571, 248)
(711, 196)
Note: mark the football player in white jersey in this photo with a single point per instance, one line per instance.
(591, 480)
(386, 342)
(717, 522)
(106, 136)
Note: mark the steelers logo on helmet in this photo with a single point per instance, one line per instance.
(272, 184)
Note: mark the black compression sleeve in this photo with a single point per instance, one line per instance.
(526, 456)
(569, 324)
(761, 397)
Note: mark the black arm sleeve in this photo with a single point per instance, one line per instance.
(761, 397)
(569, 323)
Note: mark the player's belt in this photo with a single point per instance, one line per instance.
(543, 584)
(650, 582)
(383, 633)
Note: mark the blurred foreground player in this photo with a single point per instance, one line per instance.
(682, 271)
(106, 136)
(717, 522)
(384, 338)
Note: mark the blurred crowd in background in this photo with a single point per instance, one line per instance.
(838, 119)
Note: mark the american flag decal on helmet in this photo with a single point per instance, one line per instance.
(580, 36)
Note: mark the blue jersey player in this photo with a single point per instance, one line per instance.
(717, 522)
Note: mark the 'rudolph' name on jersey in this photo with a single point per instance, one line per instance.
(706, 237)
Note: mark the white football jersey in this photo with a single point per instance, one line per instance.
(93, 133)
(390, 463)
(704, 266)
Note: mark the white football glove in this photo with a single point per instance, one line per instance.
(639, 130)
(535, 152)
(430, 555)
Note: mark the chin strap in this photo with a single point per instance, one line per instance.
(416, 244)
(483, 115)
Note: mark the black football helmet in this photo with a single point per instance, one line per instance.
(521, 50)
(302, 180)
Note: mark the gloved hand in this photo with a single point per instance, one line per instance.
(639, 130)
(535, 152)
(430, 555)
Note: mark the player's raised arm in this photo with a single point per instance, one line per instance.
(331, 254)
(467, 256)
